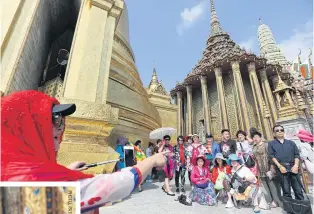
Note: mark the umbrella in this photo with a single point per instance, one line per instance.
(161, 132)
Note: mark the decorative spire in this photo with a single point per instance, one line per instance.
(154, 81)
(214, 22)
(260, 21)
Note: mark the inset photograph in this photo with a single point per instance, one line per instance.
(37, 200)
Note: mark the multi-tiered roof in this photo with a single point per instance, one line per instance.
(219, 52)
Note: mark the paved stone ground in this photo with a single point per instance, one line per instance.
(154, 201)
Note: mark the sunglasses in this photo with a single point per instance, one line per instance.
(279, 130)
(57, 120)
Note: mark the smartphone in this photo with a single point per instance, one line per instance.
(129, 156)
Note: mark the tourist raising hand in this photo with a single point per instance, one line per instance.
(32, 126)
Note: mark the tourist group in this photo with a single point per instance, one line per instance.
(229, 171)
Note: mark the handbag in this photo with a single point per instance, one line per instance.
(219, 181)
(202, 185)
(294, 206)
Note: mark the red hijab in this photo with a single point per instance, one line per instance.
(27, 145)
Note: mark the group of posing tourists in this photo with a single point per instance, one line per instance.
(233, 172)
(32, 127)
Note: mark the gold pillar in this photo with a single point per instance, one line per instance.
(268, 96)
(206, 107)
(87, 73)
(259, 102)
(179, 119)
(189, 107)
(241, 94)
(17, 19)
(86, 84)
(221, 98)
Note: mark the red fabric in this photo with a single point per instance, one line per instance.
(182, 156)
(305, 135)
(196, 176)
(215, 172)
(27, 146)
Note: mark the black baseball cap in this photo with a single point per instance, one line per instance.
(167, 137)
(208, 135)
(64, 109)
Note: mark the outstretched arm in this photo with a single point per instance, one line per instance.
(109, 188)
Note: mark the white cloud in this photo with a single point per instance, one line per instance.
(191, 15)
(302, 38)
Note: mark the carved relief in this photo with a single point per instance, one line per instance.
(160, 90)
(250, 104)
(251, 67)
(214, 106)
(198, 113)
(235, 66)
(231, 106)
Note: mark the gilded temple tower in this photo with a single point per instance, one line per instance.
(227, 92)
(79, 52)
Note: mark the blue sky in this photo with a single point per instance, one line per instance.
(173, 33)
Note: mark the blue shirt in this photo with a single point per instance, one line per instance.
(284, 152)
(215, 149)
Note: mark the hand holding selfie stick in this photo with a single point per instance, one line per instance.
(101, 163)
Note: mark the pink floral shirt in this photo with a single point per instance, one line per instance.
(202, 151)
(108, 188)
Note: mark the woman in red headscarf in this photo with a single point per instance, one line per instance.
(32, 124)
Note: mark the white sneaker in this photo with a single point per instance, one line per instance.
(229, 204)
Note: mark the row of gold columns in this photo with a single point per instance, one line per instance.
(258, 97)
(239, 88)
(268, 95)
(206, 107)
(180, 119)
(221, 98)
(264, 102)
(189, 108)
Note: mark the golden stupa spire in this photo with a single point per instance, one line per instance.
(154, 81)
(214, 21)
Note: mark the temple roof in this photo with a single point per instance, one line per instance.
(220, 49)
(155, 86)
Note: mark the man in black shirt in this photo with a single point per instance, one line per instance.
(285, 155)
(227, 146)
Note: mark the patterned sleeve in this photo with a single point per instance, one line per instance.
(108, 188)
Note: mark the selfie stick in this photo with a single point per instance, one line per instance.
(100, 163)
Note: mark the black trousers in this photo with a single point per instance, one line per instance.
(180, 174)
(289, 180)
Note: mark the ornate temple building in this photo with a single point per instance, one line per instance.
(233, 88)
(79, 52)
(35, 200)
